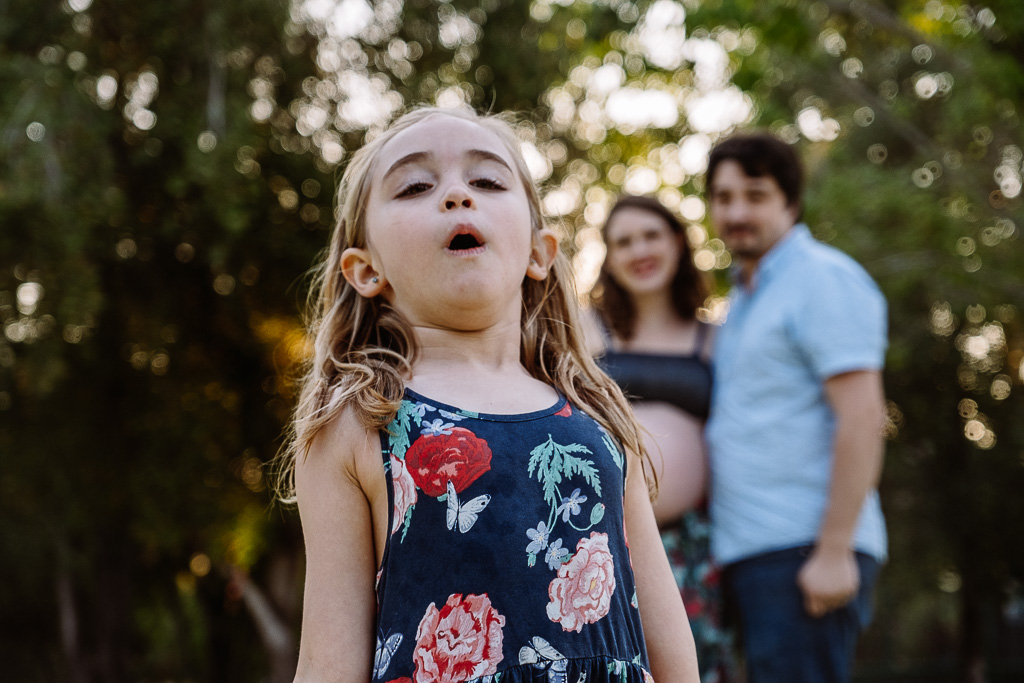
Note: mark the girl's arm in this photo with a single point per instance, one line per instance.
(666, 629)
(339, 605)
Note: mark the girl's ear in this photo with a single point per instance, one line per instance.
(357, 267)
(545, 249)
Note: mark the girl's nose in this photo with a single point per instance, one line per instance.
(456, 196)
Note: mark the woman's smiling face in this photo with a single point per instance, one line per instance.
(643, 251)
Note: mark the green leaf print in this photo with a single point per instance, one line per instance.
(398, 430)
(612, 448)
(406, 522)
(553, 462)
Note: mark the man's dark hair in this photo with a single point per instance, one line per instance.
(761, 154)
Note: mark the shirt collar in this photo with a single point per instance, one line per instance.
(781, 252)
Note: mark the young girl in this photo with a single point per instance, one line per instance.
(456, 455)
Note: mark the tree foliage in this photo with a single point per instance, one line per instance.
(166, 173)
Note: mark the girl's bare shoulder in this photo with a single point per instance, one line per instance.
(344, 450)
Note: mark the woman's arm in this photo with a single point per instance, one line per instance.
(337, 642)
(666, 629)
(593, 335)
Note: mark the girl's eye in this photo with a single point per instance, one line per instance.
(413, 189)
(489, 184)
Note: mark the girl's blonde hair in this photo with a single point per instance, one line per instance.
(363, 349)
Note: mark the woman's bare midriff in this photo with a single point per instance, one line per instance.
(674, 439)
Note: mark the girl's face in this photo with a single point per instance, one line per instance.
(643, 252)
(448, 225)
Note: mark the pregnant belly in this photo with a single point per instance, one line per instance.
(675, 442)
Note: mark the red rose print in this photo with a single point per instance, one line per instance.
(460, 457)
(405, 492)
(565, 411)
(692, 602)
(459, 642)
(713, 576)
(582, 591)
(403, 679)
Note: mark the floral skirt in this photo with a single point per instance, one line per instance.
(687, 545)
(580, 670)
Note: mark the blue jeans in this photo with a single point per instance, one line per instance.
(781, 642)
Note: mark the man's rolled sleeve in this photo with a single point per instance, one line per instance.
(843, 326)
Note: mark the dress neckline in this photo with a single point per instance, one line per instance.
(558, 406)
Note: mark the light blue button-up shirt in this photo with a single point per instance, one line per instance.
(810, 312)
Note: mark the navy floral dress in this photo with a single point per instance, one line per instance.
(506, 560)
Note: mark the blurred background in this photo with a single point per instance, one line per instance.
(166, 179)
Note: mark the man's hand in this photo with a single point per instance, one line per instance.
(829, 580)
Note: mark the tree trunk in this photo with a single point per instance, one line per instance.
(275, 632)
(68, 620)
(113, 605)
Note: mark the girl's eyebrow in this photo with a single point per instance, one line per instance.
(407, 160)
(484, 155)
(419, 157)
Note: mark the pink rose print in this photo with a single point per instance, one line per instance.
(648, 678)
(625, 538)
(459, 642)
(565, 410)
(582, 591)
(460, 457)
(405, 492)
(406, 679)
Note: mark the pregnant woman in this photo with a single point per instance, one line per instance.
(648, 339)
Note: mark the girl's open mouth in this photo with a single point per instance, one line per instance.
(464, 242)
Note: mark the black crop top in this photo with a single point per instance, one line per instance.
(683, 381)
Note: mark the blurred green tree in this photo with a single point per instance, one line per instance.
(154, 229)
